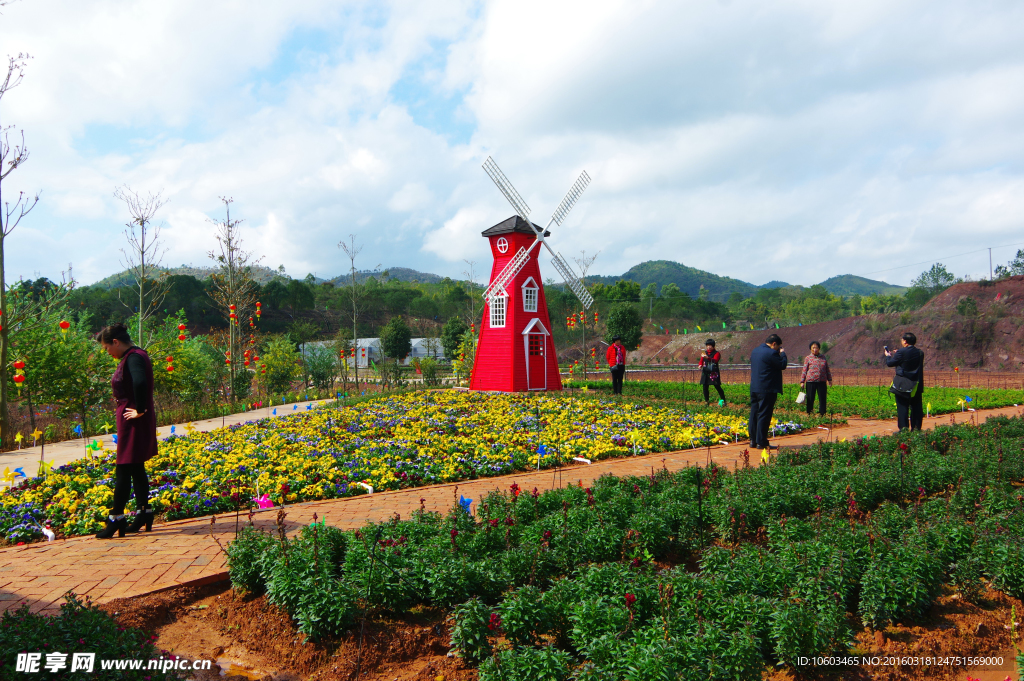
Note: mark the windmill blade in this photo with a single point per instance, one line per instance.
(575, 284)
(571, 197)
(498, 177)
(517, 263)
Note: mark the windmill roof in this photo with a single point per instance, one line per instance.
(513, 224)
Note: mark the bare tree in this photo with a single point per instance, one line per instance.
(471, 277)
(144, 254)
(234, 290)
(11, 214)
(351, 250)
(584, 263)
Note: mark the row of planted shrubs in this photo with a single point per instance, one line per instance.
(600, 583)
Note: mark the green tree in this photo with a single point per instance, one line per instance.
(463, 363)
(1013, 268)
(281, 359)
(451, 336)
(321, 367)
(935, 280)
(396, 339)
(626, 322)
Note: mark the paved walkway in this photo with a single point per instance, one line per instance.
(187, 551)
(60, 453)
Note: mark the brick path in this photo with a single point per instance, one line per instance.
(186, 551)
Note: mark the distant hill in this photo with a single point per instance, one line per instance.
(688, 279)
(397, 273)
(775, 284)
(261, 274)
(851, 284)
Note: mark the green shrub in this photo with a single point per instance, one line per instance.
(799, 629)
(474, 623)
(899, 585)
(527, 664)
(244, 566)
(327, 607)
(523, 616)
(80, 627)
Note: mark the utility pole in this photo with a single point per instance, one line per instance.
(471, 275)
(990, 264)
(351, 250)
(584, 263)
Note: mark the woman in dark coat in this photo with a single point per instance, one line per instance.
(136, 430)
(710, 375)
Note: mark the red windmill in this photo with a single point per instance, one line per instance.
(515, 352)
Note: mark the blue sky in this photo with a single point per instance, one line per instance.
(793, 140)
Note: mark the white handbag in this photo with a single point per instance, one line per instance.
(801, 398)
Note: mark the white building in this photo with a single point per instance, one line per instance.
(368, 349)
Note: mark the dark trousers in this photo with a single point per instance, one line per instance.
(909, 411)
(761, 407)
(707, 391)
(618, 371)
(819, 388)
(126, 476)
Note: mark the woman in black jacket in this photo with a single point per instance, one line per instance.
(909, 363)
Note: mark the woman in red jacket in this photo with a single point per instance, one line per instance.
(616, 357)
(709, 372)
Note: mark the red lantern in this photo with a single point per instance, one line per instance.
(181, 337)
(170, 368)
(64, 325)
(246, 362)
(181, 327)
(19, 364)
(232, 308)
(19, 379)
(227, 362)
(169, 359)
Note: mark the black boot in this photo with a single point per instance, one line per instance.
(142, 518)
(117, 525)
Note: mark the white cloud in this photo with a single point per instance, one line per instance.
(794, 140)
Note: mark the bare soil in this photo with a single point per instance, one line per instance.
(987, 336)
(247, 638)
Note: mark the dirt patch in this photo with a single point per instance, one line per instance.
(247, 638)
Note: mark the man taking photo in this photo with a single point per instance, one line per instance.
(766, 364)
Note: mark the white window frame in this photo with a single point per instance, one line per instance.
(499, 311)
(531, 294)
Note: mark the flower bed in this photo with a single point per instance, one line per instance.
(698, 574)
(388, 443)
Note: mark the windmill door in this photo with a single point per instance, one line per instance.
(536, 366)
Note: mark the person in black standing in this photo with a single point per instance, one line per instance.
(616, 357)
(132, 385)
(909, 363)
(766, 364)
(710, 375)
